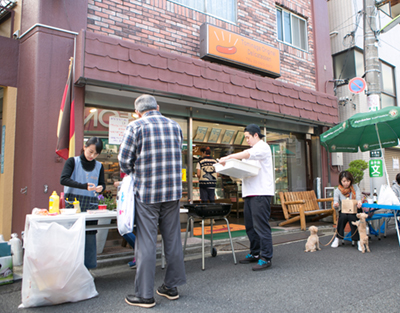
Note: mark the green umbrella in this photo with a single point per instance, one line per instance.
(367, 131)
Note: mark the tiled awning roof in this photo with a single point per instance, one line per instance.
(123, 62)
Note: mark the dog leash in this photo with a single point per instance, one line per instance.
(336, 233)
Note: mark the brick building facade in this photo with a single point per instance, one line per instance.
(167, 26)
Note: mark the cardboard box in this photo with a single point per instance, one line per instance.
(349, 206)
(6, 264)
(237, 169)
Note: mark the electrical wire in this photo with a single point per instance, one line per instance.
(395, 48)
(336, 28)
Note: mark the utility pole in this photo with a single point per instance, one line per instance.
(372, 74)
(371, 58)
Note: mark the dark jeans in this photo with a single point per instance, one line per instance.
(343, 219)
(90, 249)
(207, 194)
(130, 238)
(257, 211)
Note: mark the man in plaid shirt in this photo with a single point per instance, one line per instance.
(151, 150)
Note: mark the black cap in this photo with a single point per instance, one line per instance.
(252, 129)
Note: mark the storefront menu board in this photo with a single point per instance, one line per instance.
(117, 128)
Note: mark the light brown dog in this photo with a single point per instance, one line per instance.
(312, 243)
(362, 230)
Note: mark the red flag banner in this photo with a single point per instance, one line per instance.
(66, 120)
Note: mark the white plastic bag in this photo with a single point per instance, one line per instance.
(53, 270)
(387, 196)
(126, 206)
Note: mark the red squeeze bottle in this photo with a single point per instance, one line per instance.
(62, 201)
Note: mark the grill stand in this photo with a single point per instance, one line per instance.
(213, 250)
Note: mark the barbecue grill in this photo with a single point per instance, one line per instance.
(211, 211)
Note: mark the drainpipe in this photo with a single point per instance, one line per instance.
(56, 29)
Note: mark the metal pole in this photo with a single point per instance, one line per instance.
(371, 58)
(372, 71)
(384, 164)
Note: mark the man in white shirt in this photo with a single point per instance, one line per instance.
(257, 192)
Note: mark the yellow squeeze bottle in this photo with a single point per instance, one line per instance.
(54, 203)
(77, 206)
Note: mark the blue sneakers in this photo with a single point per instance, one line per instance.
(132, 264)
(250, 259)
(262, 264)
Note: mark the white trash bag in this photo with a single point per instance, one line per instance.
(54, 270)
(126, 206)
(387, 196)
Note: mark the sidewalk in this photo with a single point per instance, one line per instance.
(115, 254)
(118, 255)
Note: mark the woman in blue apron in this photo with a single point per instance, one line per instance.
(83, 178)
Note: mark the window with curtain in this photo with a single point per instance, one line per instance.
(223, 9)
(291, 29)
(388, 95)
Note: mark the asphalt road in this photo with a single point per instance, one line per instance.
(330, 280)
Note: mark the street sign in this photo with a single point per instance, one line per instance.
(357, 85)
(375, 153)
(375, 168)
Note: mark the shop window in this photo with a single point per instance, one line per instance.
(291, 29)
(96, 123)
(288, 151)
(289, 159)
(224, 9)
(223, 139)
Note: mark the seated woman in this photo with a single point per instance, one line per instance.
(396, 186)
(345, 190)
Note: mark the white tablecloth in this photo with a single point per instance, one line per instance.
(69, 220)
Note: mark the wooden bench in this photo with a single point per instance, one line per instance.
(296, 205)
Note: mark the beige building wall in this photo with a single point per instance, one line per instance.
(392, 157)
(7, 177)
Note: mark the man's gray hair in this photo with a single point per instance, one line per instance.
(145, 103)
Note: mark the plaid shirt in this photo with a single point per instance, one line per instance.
(152, 149)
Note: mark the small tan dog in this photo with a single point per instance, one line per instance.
(362, 230)
(312, 243)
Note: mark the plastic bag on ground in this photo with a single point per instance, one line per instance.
(53, 270)
(126, 206)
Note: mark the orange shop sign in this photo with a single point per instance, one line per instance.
(217, 43)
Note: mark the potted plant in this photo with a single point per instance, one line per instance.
(106, 202)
